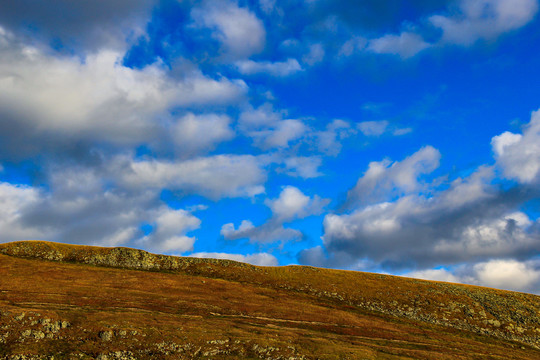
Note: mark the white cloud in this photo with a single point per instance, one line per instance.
(96, 98)
(279, 69)
(291, 204)
(241, 33)
(198, 133)
(484, 19)
(383, 178)
(169, 233)
(435, 275)
(263, 116)
(329, 140)
(280, 135)
(508, 274)
(470, 220)
(490, 237)
(269, 232)
(259, 259)
(80, 207)
(306, 167)
(268, 129)
(519, 155)
(405, 45)
(215, 176)
(15, 200)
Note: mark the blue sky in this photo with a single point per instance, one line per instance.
(391, 136)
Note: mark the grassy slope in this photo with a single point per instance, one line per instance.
(223, 309)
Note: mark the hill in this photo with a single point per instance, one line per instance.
(82, 302)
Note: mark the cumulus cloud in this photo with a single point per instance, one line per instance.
(506, 274)
(259, 259)
(268, 232)
(194, 134)
(278, 69)
(94, 99)
(81, 208)
(471, 220)
(169, 233)
(268, 129)
(405, 45)
(329, 140)
(484, 19)
(280, 135)
(291, 204)
(215, 176)
(15, 200)
(306, 167)
(239, 30)
(383, 178)
(518, 155)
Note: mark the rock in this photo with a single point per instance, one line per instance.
(106, 335)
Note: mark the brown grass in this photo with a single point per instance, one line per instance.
(300, 311)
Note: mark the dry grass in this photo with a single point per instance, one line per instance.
(218, 310)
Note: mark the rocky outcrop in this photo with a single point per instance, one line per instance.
(119, 257)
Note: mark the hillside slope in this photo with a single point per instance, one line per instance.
(89, 302)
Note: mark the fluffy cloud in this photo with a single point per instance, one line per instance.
(259, 259)
(306, 167)
(329, 140)
(484, 19)
(506, 274)
(279, 69)
(471, 220)
(405, 45)
(94, 99)
(280, 135)
(386, 177)
(170, 227)
(81, 208)
(268, 129)
(15, 200)
(215, 176)
(198, 133)
(519, 155)
(291, 204)
(239, 31)
(268, 232)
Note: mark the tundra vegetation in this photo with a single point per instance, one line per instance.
(80, 302)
